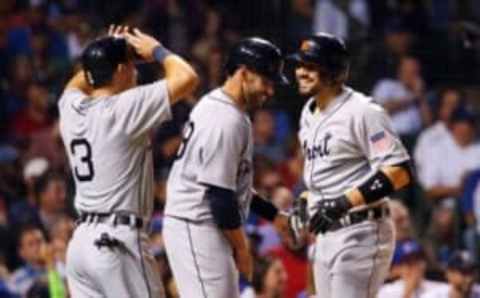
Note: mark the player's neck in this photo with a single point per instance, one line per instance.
(233, 90)
(326, 96)
(106, 91)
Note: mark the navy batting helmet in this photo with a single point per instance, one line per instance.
(326, 51)
(259, 55)
(101, 58)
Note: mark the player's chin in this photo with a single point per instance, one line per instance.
(305, 90)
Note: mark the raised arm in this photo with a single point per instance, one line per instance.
(181, 79)
(78, 82)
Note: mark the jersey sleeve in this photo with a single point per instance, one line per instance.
(377, 140)
(142, 108)
(221, 155)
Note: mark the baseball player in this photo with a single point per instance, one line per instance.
(353, 161)
(104, 122)
(209, 189)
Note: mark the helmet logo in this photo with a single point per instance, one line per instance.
(306, 45)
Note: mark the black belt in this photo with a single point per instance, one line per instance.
(356, 217)
(118, 219)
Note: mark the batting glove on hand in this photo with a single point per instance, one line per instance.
(298, 219)
(328, 212)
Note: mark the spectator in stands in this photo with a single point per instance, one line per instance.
(470, 206)
(294, 258)
(269, 280)
(461, 275)
(30, 243)
(34, 117)
(450, 100)
(401, 220)
(20, 74)
(264, 136)
(404, 99)
(447, 163)
(282, 198)
(24, 210)
(410, 259)
(51, 202)
(386, 53)
(441, 236)
(345, 19)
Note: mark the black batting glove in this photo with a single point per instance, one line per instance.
(298, 217)
(328, 212)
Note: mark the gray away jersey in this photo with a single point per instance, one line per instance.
(217, 149)
(109, 149)
(345, 144)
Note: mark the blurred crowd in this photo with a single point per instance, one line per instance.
(419, 59)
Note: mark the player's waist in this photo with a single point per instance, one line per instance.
(377, 212)
(113, 218)
(203, 221)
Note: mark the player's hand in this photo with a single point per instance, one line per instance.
(298, 219)
(143, 44)
(117, 31)
(244, 262)
(281, 224)
(327, 213)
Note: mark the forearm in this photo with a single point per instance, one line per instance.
(397, 176)
(181, 78)
(440, 192)
(79, 82)
(237, 238)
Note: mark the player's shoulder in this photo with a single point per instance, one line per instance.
(69, 95)
(362, 105)
(307, 113)
(216, 108)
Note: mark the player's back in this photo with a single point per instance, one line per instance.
(108, 147)
(216, 134)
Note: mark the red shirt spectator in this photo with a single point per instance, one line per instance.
(296, 263)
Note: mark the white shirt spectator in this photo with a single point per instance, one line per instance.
(329, 18)
(396, 289)
(447, 163)
(404, 122)
(428, 139)
(444, 292)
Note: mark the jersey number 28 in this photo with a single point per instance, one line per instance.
(81, 148)
(186, 135)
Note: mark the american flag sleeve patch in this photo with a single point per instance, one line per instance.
(381, 142)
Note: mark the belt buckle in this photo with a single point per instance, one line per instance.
(132, 220)
(370, 214)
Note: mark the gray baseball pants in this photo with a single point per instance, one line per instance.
(354, 261)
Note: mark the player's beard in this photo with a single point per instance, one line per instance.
(251, 99)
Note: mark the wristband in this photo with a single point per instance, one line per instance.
(376, 188)
(160, 53)
(263, 207)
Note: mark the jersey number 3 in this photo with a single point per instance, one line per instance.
(81, 148)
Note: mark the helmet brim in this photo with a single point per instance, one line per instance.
(301, 57)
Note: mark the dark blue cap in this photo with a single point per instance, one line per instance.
(407, 250)
(461, 261)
